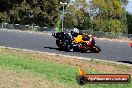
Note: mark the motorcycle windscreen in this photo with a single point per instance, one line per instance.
(85, 38)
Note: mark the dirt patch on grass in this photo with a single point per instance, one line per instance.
(112, 69)
(103, 67)
(15, 79)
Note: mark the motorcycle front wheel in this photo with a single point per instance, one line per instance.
(96, 49)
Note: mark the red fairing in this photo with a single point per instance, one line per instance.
(89, 43)
(131, 44)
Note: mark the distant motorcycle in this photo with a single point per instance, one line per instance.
(64, 42)
(131, 44)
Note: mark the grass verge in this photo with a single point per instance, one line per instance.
(61, 73)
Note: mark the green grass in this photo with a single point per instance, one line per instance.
(122, 66)
(61, 73)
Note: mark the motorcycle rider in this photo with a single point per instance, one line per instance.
(78, 37)
(73, 33)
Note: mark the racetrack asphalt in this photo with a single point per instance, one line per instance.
(111, 50)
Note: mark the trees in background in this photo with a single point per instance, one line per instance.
(109, 16)
(129, 22)
(97, 15)
(38, 12)
(77, 15)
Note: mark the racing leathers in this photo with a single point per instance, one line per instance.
(83, 38)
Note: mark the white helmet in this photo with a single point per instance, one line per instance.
(76, 30)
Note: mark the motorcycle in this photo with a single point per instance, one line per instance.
(65, 42)
(131, 44)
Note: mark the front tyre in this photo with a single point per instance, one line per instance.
(96, 49)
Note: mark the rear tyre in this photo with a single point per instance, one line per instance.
(97, 49)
